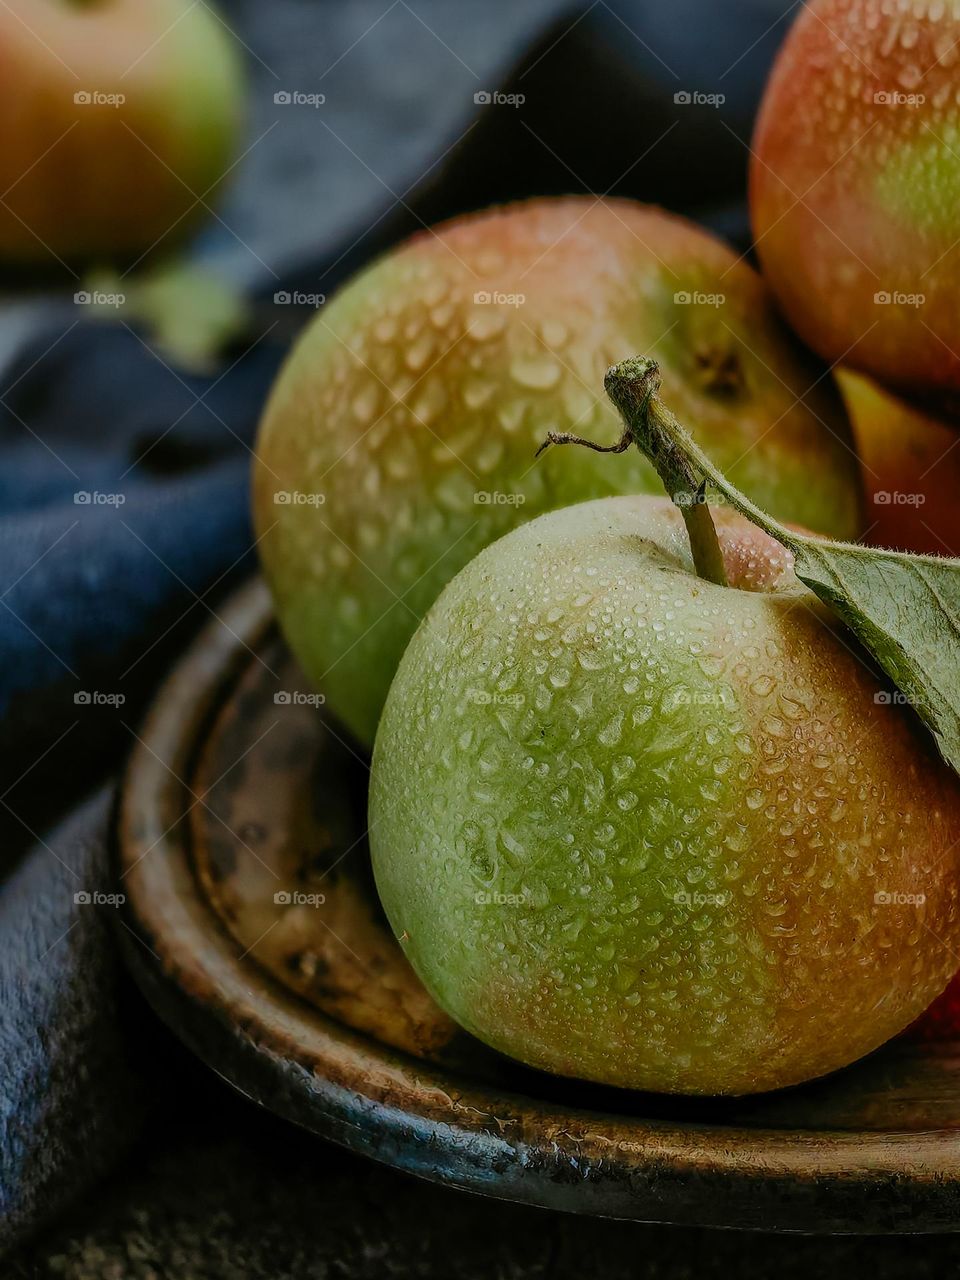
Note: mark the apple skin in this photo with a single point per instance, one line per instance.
(942, 1020)
(89, 180)
(910, 462)
(406, 401)
(635, 827)
(852, 197)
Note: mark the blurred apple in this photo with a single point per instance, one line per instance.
(854, 186)
(910, 463)
(117, 119)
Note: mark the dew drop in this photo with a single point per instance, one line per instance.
(440, 317)
(364, 404)
(385, 329)
(554, 333)
(538, 372)
(418, 353)
(910, 76)
(476, 392)
(488, 324)
(430, 402)
(510, 414)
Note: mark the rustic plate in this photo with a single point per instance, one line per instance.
(259, 939)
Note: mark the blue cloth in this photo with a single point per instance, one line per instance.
(97, 596)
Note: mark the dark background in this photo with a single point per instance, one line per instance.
(119, 1155)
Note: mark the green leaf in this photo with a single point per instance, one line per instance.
(904, 609)
(188, 312)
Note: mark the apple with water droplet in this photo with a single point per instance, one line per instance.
(855, 185)
(910, 462)
(634, 826)
(399, 438)
(118, 119)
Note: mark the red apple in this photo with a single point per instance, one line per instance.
(855, 186)
(116, 118)
(942, 1020)
(910, 464)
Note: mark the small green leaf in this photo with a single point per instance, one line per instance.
(905, 609)
(188, 312)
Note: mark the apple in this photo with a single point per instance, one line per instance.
(399, 438)
(636, 827)
(910, 463)
(854, 188)
(942, 1020)
(116, 117)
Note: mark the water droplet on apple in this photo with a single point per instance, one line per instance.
(477, 391)
(487, 324)
(539, 371)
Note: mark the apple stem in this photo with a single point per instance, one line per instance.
(704, 543)
(634, 386)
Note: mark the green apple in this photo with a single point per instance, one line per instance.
(116, 118)
(634, 826)
(399, 438)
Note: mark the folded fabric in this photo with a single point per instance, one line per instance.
(70, 1097)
